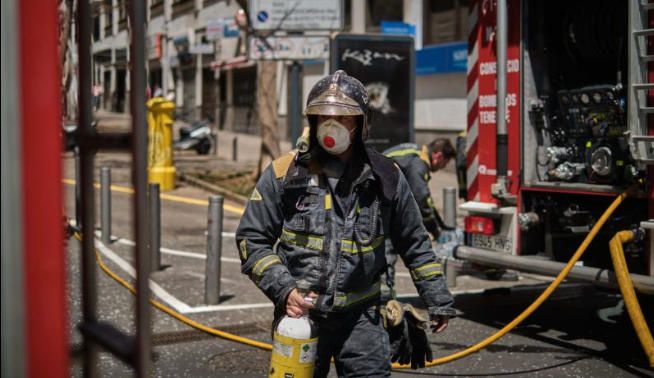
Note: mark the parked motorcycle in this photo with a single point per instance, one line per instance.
(197, 136)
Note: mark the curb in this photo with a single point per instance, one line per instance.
(241, 200)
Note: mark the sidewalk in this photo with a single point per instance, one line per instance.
(247, 154)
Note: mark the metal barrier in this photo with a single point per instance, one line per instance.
(155, 226)
(135, 350)
(214, 250)
(449, 206)
(452, 267)
(105, 204)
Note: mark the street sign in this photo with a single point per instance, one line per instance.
(397, 28)
(298, 15)
(385, 64)
(289, 48)
(202, 48)
(445, 58)
(214, 30)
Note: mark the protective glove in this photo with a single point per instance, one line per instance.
(416, 325)
(398, 332)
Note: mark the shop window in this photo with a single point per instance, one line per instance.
(156, 8)
(181, 7)
(445, 21)
(109, 17)
(122, 15)
(382, 10)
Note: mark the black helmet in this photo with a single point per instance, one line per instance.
(338, 94)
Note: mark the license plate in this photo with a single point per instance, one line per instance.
(497, 243)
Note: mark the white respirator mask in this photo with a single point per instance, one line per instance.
(334, 137)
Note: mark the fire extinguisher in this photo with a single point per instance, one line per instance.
(295, 343)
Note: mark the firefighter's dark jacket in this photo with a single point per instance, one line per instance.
(291, 235)
(415, 163)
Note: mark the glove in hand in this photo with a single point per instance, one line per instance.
(401, 349)
(420, 348)
(398, 332)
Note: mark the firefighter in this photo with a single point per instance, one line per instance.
(329, 207)
(417, 163)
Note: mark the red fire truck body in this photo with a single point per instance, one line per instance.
(577, 133)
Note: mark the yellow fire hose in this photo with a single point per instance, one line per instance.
(629, 294)
(541, 298)
(640, 325)
(177, 315)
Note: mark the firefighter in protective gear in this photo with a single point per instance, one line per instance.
(318, 220)
(417, 163)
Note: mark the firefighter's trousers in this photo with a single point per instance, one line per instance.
(358, 342)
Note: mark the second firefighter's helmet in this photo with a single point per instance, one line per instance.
(338, 95)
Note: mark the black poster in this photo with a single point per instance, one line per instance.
(385, 65)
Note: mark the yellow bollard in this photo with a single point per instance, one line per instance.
(160, 143)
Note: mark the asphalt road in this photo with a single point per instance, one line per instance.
(580, 332)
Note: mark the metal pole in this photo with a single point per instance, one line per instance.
(105, 204)
(449, 206)
(87, 195)
(598, 276)
(502, 33)
(451, 272)
(143, 363)
(235, 149)
(214, 250)
(295, 102)
(78, 189)
(14, 322)
(155, 227)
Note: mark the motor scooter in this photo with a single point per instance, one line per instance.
(198, 136)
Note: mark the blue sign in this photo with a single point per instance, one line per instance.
(230, 30)
(397, 28)
(445, 58)
(262, 16)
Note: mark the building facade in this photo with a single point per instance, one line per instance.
(197, 54)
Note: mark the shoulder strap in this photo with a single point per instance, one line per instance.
(283, 163)
(424, 155)
(402, 150)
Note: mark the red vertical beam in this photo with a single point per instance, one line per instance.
(45, 301)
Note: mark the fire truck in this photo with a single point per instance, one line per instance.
(560, 96)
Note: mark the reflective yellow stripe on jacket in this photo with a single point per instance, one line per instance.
(345, 300)
(426, 271)
(423, 154)
(302, 240)
(350, 246)
(263, 263)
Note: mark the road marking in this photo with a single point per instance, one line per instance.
(201, 276)
(157, 290)
(170, 299)
(184, 308)
(246, 306)
(175, 252)
(168, 197)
